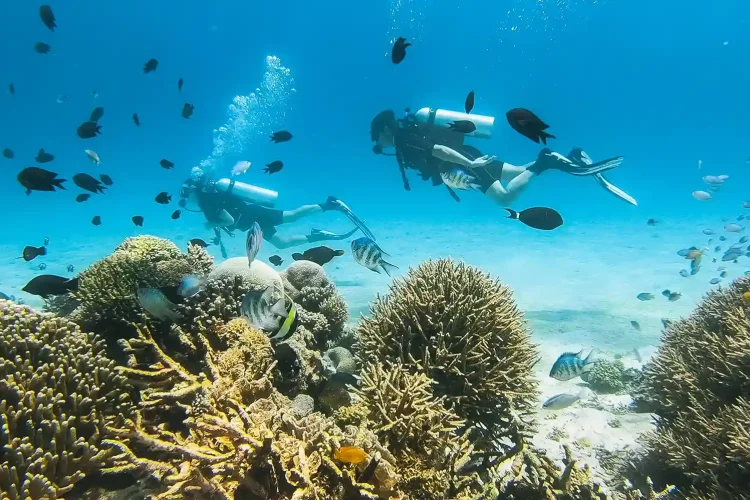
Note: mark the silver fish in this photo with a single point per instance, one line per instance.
(713, 180)
(157, 304)
(684, 273)
(240, 167)
(701, 195)
(367, 253)
(715, 281)
(253, 242)
(459, 178)
(570, 365)
(743, 239)
(645, 296)
(733, 228)
(708, 232)
(262, 310)
(746, 204)
(92, 156)
(560, 401)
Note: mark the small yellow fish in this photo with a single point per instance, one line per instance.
(746, 297)
(350, 454)
(694, 254)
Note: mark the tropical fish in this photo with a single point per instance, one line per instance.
(198, 242)
(715, 281)
(746, 295)
(672, 296)
(685, 251)
(398, 53)
(97, 220)
(746, 204)
(545, 219)
(722, 238)
(163, 198)
(666, 323)
(39, 179)
(528, 125)
(50, 284)
(70, 268)
(367, 253)
(157, 304)
(96, 114)
(350, 454)
(88, 130)
(136, 120)
(635, 325)
(190, 285)
(137, 220)
(187, 110)
(150, 66)
(713, 180)
(695, 266)
(253, 242)
(89, 183)
(709, 232)
(91, 154)
(684, 273)
(570, 365)
(8, 153)
(645, 296)
(723, 274)
(733, 228)
(281, 136)
(561, 401)
(320, 255)
(42, 48)
(30, 253)
(12, 89)
(176, 214)
(107, 180)
(44, 157)
(701, 195)
(651, 222)
(469, 102)
(462, 126)
(273, 167)
(458, 178)
(694, 254)
(262, 310)
(275, 260)
(180, 82)
(240, 167)
(166, 164)
(42, 266)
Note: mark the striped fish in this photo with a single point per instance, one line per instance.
(253, 242)
(367, 253)
(459, 178)
(277, 318)
(571, 365)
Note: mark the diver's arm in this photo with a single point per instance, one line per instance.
(452, 156)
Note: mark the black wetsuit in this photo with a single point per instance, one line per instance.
(244, 213)
(414, 143)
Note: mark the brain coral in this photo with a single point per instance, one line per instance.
(700, 384)
(107, 289)
(57, 393)
(463, 330)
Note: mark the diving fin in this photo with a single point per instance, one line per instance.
(356, 220)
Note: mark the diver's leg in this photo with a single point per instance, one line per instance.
(300, 213)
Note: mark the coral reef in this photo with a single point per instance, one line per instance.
(257, 276)
(107, 289)
(301, 274)
(463, 330)
(699, 382)
(609, 377)
(58, 391)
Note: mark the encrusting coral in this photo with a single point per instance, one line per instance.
(462, 329)
(699, 382)
(58, 391)
(107, 289)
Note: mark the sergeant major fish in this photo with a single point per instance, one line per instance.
(253, 242)
(571, 365)
(367, 253)
(459, 178)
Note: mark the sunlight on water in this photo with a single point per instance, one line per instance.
(407, 16)
(541, 15)
(252, 115)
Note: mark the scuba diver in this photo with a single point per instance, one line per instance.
(230, 205)
(427, 142)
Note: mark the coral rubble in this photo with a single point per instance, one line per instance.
(58, 392)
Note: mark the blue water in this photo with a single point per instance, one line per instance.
(662, 83)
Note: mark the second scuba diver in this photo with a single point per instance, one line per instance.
(231, 205)
(424, 141)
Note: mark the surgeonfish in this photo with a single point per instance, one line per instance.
(157, 304)
(253, 242)
(367, 253)
(571, 365)
(458, 178)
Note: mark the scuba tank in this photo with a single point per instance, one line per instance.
(246, 192)
(442, 117)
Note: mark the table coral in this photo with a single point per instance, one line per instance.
(58, 390)
(462, 329)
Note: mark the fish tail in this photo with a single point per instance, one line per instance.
(56, 183)
(388, 267)
(544, 136)
(591, 359)
(512, 214)
(72, 284)
(296, 256)
(338, 253)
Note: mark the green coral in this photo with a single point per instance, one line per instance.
(607, 376)
(462, 329)
(107, 289)
(58, 391)
(699, 382)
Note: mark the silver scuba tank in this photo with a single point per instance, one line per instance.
(442, 117)
(247, 192)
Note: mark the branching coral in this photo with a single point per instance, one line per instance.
(57, 393)
(107, 289)
(462, 329)
(700, 384)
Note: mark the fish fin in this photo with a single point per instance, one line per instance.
(593, 357)
(57, 183)
(512, 214)
(374, 269)
(297, 256)
(338, 253)
(279, 308)
(475, 186)
(72, 284)
(388, 267)
(453, 194)
(544, 136)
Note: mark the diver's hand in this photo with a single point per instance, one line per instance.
(482, 161)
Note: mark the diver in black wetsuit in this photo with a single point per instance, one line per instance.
(229, 212)
(433, 150)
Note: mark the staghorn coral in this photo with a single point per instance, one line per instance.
(107, 289)
(699, 382)
(462, 329)
(57, 393)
